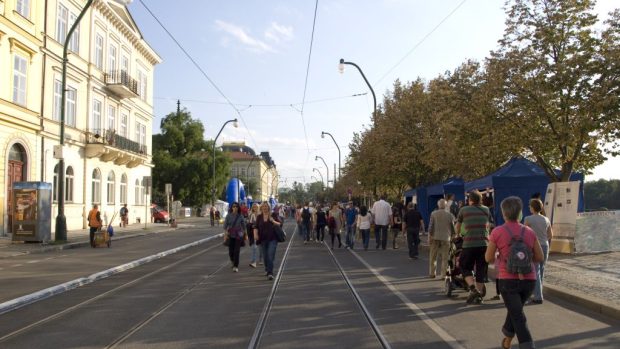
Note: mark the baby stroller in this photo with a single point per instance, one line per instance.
(454, 276)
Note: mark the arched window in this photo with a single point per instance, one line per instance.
(137, 192)
(143, 190)
(68, 184)
(111, 184)
(124, 189)
(55, 185)
(96, 187)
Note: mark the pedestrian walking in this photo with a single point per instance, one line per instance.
(475, 220)
(267, 237)
(321, 223)
(544, 233)
(412, 225)
(335, 220)
(364, 220)
(516, 244)
(306, 220)
(234, 232)
(440, 231)
(382, 215)
(94, 222)
(124, 213)
(251, 224)
(350, 214)
(397, 222)
(212, 215)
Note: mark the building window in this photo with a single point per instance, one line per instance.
(55, 185)
(96, 186)
(140, 133)
(69, 184)
(123, 189)
(142, 81)
(111, 118)
(124, 120)
(70, 103)
(112, 59)
(74, 44)
(70, 108)
(99, 51)
(137, 192)
(64, 20)
(143, 190)
(20, 69)
(111, 185)
(23, 7)
(96, 126)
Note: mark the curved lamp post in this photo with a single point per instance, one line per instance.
(61, 220)
(316, 158)
(320, 174)
(261, 183)
(341, 70)
(214, 141)
(323, 133)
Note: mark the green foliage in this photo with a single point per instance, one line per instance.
(182, 157)
(602, 194)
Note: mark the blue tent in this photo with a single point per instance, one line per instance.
(519, 177)
(426, 197)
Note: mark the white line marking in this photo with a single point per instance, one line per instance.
(413, 307)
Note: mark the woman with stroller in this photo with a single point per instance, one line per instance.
(515, 288)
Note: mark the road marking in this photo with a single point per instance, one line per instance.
(451, 341)
(16, 265)
(33, 261)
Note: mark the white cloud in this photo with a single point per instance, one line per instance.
(243, 37)
(279, 32)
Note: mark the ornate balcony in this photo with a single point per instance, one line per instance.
(109, 146)
(121, 84)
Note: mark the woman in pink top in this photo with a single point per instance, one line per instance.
(514, 288)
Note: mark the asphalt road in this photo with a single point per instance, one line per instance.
(192, 299)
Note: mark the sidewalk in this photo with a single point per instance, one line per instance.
(77, 238)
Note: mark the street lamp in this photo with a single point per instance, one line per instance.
(341, 70)
(214, 141)
(323, 133)
(261, 183)
(320, 174)
(316, 158)
(61, 220)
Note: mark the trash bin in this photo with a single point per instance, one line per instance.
(32, 211)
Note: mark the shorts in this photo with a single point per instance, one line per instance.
(474, 257)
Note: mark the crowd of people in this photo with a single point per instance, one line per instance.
(471, 223)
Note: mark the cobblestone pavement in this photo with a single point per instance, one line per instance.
(596, 275)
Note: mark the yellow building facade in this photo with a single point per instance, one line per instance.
(258, 172)
(108, 109)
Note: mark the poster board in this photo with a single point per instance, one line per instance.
(561, 202)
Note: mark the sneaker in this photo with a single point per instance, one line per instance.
(235, 269)
(431, 276)
(474, 297)
(253, 265)
(270, 277)
(495, 298)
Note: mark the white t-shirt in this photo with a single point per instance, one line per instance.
(382, 211)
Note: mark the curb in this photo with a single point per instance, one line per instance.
(595, 304)
(17, 303)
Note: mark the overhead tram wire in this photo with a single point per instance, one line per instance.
(289, 105)
(200, 69)
(303, 101)
(420, 42)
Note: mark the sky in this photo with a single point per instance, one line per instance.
(264, 63)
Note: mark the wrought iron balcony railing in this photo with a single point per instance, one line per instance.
(122, 83)
(111, 138)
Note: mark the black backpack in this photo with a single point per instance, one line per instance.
(519, 259)
(305, 215)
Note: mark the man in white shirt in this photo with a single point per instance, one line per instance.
(382, 215)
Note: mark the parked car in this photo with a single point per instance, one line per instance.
(158, 214)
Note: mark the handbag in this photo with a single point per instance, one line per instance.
(231, 233)
(280, 234)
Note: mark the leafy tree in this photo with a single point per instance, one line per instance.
(602, 194)
(558, 84)
(182, 157)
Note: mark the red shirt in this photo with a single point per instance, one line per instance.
(501, 237)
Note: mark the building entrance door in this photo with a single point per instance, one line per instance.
(16, 166)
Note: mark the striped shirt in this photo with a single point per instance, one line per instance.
(475, 225)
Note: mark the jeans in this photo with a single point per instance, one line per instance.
(234, 248)
(413, 241)
(540, 272)
(305, 230)
(269, 253)
(350, 235)
(365, 237)
(381, 235)
(514, 293)
(320, 232)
